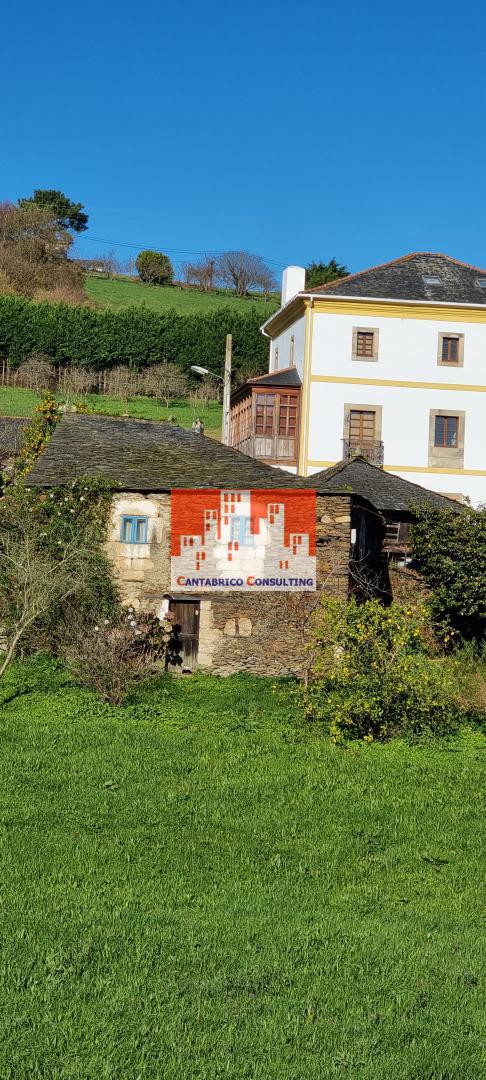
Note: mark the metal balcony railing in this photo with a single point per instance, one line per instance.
(371, 449)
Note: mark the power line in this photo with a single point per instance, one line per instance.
(170, 251)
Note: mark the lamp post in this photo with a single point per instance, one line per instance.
(226, 380)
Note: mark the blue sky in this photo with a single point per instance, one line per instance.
(295, 131)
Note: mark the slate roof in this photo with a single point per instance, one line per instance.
(147, 455)
(403, 279)
(285, 377)
(386, 492)
(11, 433)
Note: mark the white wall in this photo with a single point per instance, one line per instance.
(282, 343)
(408, 352)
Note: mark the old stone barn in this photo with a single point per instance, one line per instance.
(361, 518)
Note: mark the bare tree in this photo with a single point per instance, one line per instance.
(164, 381)
(200, 273)
(36, 373)
(241, 271)
(32, 582)
(76, 380)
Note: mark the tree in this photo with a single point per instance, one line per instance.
(67, 214)
(33, 254)
(319, 273)
(154, 267)
(449, 548)
(200, 273)
(164, 381)
(241, 271)
(36, 580)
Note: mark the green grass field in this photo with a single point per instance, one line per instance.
(194, 887)
(124, 292)
(15, 401)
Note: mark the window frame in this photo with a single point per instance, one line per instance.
(444, 335)
(357, 330)
(446, 421)
(442, 456)
(134, 520)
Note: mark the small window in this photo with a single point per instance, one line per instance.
(481, 282)
(446, 431)
(364, 343)
(292, 350)
(133, 530)
(450, 349)
(431, 279)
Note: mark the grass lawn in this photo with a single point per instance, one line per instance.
(194, 887)
(123, 292)
(15, 401)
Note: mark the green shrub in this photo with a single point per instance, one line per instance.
(376, 674)
(133, 337)
(154, 267)
(449, 548)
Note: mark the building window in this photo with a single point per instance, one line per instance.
(451, 350)
(365, 343)
(362, 426)
(446, 431)
(275, 362)
(133, 529)
(264, 410)
(287, 416)
(241, 531)
(292, 351)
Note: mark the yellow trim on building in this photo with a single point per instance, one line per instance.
(399, 310)
(305, 393)
(355, 380)
(404, 468)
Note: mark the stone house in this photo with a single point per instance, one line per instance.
(221, 631)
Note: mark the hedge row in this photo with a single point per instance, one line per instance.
(134, 336)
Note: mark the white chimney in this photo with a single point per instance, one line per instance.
(293, 282)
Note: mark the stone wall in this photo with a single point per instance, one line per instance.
(262, 633)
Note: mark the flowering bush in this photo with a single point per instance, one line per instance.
(376, 672)
(112, 655)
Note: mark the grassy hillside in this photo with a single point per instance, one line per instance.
(124, 292)
(194, 887)
(17, 402)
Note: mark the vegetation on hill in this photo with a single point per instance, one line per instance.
(121, 292)
(134, 336)
(195, 886)
(154, 267)
(33, 254)
(15, 401)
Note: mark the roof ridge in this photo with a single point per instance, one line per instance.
(393, 262)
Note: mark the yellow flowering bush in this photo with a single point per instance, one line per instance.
(376, 672)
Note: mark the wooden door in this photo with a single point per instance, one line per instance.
(186, 630)
(362, 424)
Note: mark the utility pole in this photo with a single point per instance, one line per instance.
(225, 427)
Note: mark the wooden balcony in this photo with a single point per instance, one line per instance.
(265, 418)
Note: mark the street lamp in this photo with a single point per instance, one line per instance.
(204, 371)
(226, 380)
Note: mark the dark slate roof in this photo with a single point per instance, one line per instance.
(403, 279)
(285, 377)
(384, 490)
(147, 455)
(11, 434)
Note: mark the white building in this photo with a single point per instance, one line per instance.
(390, 362)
